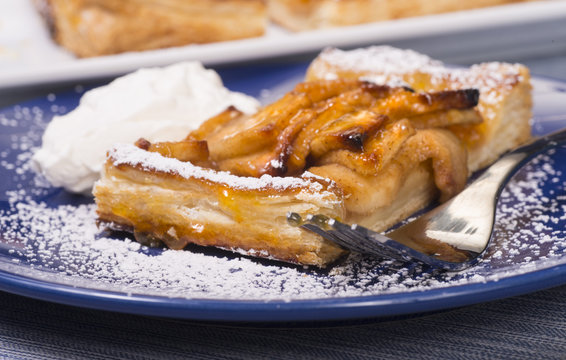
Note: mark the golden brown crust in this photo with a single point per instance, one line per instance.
(102, 27)
(299, 15)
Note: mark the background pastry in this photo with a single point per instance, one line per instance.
(299, 15)
(103, 27)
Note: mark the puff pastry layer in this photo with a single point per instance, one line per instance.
(165, 200)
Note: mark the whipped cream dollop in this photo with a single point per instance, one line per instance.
(158, 104)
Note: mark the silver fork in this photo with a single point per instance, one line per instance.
(452, 236)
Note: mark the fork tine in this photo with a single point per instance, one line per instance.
(362, 240)
(325, 234)
(325, 228)
(372, 242)
(319, 224)
(356, 240)
(349, 241)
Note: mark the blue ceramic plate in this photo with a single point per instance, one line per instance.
(50, 248)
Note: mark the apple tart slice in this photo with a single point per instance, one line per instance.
(345, 148)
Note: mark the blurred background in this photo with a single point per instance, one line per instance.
(531, 32)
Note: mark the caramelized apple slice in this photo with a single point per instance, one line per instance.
(195, 151)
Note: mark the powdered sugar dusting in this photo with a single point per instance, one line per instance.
(132, 155)
(384, 59)
(388, 65)
(50, 235)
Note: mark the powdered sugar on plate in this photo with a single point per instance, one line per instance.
(50, 235)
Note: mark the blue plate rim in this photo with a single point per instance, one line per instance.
(330, 309)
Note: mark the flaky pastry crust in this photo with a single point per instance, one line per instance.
(165, 200)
